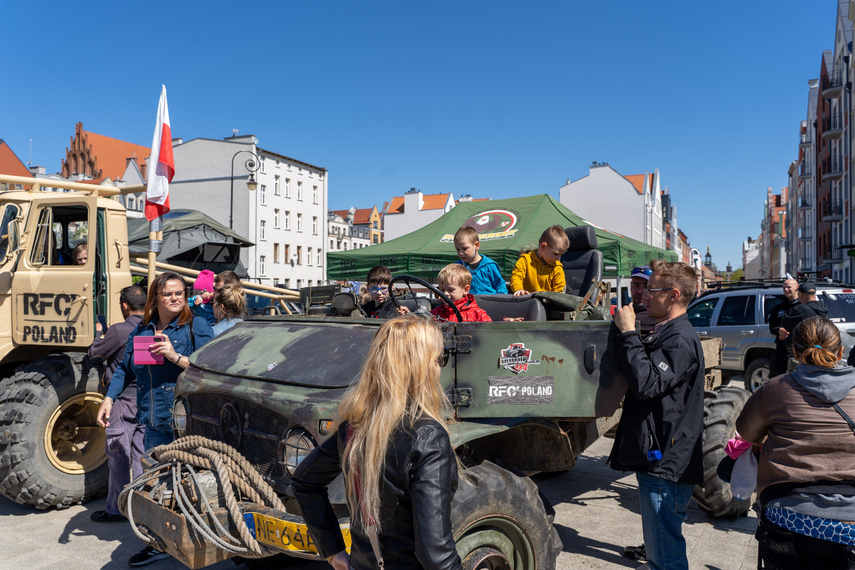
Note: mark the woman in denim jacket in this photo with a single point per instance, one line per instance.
(167, 316)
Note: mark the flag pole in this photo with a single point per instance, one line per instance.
(161, 168)
(155, 243)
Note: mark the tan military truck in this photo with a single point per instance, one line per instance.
(52, 453)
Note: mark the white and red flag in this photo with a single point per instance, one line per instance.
(161, 165)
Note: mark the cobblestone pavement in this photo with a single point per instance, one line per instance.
(596, 516)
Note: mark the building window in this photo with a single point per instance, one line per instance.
(287, 220)
(261, 265)
(319, 259)
(262, 194)
(299, 283)
(308, 256)
(331, 244)
(314, 225)
(299, 222)
(287, 253)
(275, 281)
(375, 238)
(287, 283)
(314, 194)
(276, 218)
(275, 253)
(345, 246)
(299, 255)
(288, 185)
(261, 160)
(300, 190)
(262, 230)
(276, 183)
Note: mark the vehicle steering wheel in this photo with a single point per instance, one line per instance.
(409, 279)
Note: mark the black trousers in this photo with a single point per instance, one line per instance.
(778, 361)
(781, 549)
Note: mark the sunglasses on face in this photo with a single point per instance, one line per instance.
(378, 289)
(176, 294)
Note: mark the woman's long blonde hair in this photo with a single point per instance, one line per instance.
(398, 384)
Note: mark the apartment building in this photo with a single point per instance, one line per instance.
(413, 210)
(284, 215)
(820, 229)
(630, 205)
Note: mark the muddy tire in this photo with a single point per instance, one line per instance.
(52, 453)
(721, 408)
(500, 521)
(757, 373)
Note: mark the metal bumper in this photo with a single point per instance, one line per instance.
(172, 533)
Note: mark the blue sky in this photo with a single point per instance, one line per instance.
(494, 99)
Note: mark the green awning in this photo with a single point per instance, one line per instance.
(505, 227)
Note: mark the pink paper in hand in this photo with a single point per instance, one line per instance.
(141, 352)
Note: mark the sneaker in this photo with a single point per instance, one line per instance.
(146, 556)
(635, 553)
(104, 516)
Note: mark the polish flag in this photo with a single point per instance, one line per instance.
(161, 165)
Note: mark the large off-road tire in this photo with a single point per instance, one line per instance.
(721, 408)
(500, 521)
(757, 372)
(52, 453)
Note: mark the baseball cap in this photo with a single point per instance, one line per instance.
(644, 272)
(807, 287)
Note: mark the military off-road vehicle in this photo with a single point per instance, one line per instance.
(528, 396)
(52, 453)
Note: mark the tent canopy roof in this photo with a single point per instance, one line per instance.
(505, 227)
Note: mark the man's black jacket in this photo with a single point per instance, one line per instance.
(778, 315)
(800, 312)
(664, 407)
(419, 482)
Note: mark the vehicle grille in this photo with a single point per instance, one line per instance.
(261, 430)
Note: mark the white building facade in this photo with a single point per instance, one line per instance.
(413, 210)
(630, 205)
(285, 217)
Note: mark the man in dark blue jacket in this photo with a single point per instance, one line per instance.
(661, 428)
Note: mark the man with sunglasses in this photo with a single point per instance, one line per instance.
(637, 287)
(660, 432)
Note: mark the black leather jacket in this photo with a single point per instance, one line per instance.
(419, 482)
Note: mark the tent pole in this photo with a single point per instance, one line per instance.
(155, 237)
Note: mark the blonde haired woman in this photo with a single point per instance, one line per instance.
(392, 445)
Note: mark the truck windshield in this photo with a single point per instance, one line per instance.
(10, 212)
(841, 306)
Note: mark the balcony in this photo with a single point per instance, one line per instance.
(832, 127)
(833, 86)
(805, 140)
(832, 169)
(805, 204)
(805, 239)
(831, 212)
(836, 255)
(805, 170)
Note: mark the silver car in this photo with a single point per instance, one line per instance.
(740, 317)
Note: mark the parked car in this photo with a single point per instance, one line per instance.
(739, 315)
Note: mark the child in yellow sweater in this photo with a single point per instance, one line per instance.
(540, 269)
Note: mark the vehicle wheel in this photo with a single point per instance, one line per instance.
(52, 453)
(757, 373)
(721, 408)
(500, 522)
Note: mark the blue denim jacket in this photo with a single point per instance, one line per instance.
(156, 383)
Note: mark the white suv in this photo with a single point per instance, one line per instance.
(739, 315)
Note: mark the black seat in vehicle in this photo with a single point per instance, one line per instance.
(501, 306)
(583, 262)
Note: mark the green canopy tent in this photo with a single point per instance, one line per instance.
(504, 227)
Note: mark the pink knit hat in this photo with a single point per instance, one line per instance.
(205, 281)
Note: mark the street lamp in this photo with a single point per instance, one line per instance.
(252, 165)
